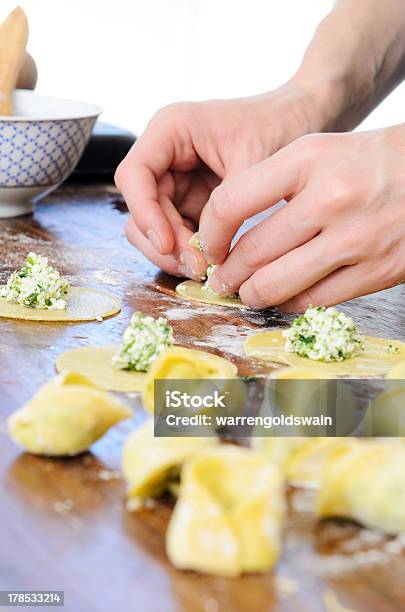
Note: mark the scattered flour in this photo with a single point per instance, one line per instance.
(229, 338)
(106, 277)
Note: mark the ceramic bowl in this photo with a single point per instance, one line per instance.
(39, 147)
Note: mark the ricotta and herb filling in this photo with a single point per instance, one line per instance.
(142, 341)
(206, 286)
(37, 285)
(323, 334)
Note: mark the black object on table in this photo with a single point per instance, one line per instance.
(107, 146)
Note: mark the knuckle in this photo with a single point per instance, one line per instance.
(340, 190)
(352, 249)
(173, 111)
(119, 174)
(311, 146)
(222, 203)
(249, 253)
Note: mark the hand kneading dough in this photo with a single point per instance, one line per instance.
(374, 360)
(228, 518)
(95, 362)
(83, 305)
(191, 290)
(365, 482)
(185, 364)
(151, 465)
(65, 417)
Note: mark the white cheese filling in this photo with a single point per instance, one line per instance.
(323, 334)
(142, 341)
(37, 285)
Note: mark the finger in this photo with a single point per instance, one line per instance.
(165, 262)
(193, 262)
(193, 190)
(266, 242)
(293, 273)
(252, 191)
(345, 284)
(137, 179)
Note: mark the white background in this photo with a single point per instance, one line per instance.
(133, 56)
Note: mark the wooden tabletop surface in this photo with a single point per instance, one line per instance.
(63, 523)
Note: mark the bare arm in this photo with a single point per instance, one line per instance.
(355, 59)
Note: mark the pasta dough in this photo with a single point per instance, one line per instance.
(65, 417)
(191, 290)
(151, 465)
(301, 459)
(365, 482)
(95, 362)
(374, 360)
(83, 305)
(229, 515)
(182, 364)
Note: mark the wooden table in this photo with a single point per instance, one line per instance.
(64, 524)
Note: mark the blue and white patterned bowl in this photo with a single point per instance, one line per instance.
(39, 147)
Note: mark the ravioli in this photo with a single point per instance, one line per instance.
(365, 482)
(301, 459)
(95, 362)
(191, 290)
(151, 465)
(65, 417)
(83, 305)
(375, 360)
(229, 516)
(185, 364)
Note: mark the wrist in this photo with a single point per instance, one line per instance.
(325, 102)
(289, 112)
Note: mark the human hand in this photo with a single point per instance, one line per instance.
(186, 151)
(341, 234)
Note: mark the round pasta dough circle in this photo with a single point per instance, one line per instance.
(191, 290)
(374, 360)
(94, 362)
(83, 305)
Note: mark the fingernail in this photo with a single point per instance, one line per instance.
(190, 263)
(217, 286)
(155, 240)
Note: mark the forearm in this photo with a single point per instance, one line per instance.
(355, 59)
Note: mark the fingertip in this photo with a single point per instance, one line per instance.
(159, 231)
(293, 307)
(213, 257)
(250, 297)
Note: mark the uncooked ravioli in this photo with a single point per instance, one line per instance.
(94, 362)
(83, 305)
(375, 360)
(191, 290)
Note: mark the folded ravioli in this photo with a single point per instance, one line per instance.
(185, 364)
(229, 516)
(151, 465)
(278, 449)
(365, 482)
(301, 459)
(65, 417)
